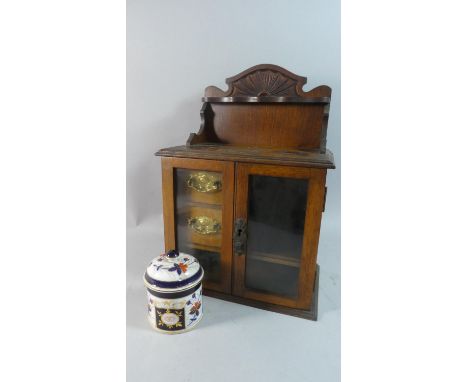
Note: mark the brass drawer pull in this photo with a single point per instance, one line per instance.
(203, 182)
(204, 225)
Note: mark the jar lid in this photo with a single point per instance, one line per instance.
(173, 271)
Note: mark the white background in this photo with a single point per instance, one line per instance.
(62, 151)
(174, 51)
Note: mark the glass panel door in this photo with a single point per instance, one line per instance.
(277, 213)
(199, 218)
(198, 208)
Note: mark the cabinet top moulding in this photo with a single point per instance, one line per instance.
(304, 158)
(265, 108)
(267, 83)
(268, 99)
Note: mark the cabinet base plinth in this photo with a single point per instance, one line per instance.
(310, 314)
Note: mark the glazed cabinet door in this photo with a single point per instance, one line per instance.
(278, 211)
(198, 207)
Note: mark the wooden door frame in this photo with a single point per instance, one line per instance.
(308, 261)
(226, 168)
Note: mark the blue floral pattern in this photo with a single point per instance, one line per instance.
(180, 267)
(195, 307)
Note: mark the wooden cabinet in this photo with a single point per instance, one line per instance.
(245, 195)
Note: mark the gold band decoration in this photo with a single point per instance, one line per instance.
(204, 225)
(203, 182)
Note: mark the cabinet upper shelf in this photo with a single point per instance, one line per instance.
(263, 117)
(265, 106)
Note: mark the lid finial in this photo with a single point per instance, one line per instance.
(172, 253)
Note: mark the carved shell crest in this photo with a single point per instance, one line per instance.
(264, 83)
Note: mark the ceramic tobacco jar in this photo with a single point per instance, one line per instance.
(174, 288)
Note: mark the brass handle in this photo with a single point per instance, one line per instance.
(203, 182)
(204, 225)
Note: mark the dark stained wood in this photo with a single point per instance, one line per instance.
(268, 80)
(292, 157)
(265, 106)
(308, 314)
(268, 99)
(169, 211)
(323, 137)
(206, 132)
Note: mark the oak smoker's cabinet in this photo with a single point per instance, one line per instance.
(246, 193)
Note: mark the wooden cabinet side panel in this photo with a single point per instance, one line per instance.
(168, 203)
(310, 242)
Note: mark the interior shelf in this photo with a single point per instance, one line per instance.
(190, 203)
(202, 247)
(274, 258)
